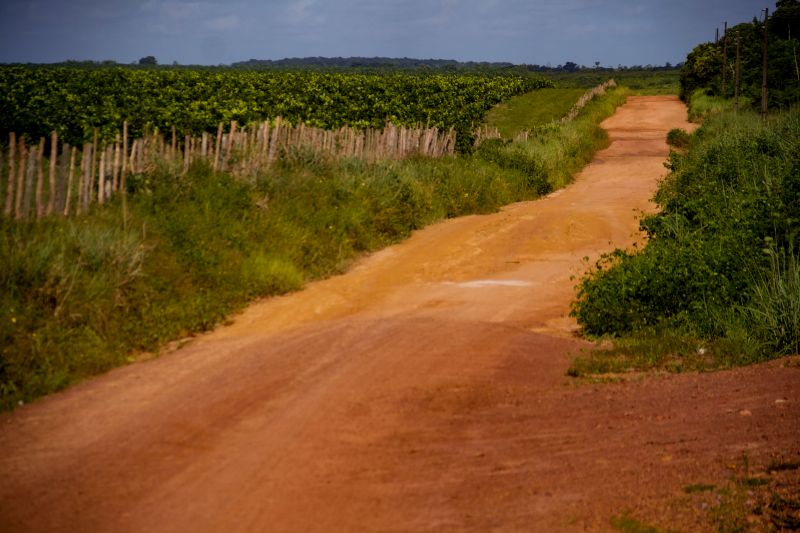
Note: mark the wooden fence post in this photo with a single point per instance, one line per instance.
(134, 148)
(30, 182)
(229, 147)
(51, 201)
(217, 147)
(61, 179)
(115, 177)
(273, 143)
(93, 168)
(123, 178)
(23, 161)
(124, 148)
(68, 197)
(86, 172)
(187, 153)
(12, 154)
(101, 179)
(39, 178)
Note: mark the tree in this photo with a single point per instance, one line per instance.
(700, 69)
(703, 65)
(148, 60)
(785, 21)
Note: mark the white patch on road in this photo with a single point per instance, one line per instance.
(478, 283)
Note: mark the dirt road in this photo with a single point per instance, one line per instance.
(424, 390)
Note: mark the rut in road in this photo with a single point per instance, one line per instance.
(423, 390)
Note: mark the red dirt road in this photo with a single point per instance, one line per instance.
(423, 390)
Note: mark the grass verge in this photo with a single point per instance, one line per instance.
(703, 105)
(79, 296)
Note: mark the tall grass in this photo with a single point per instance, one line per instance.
(80, 296)
(774, 306)
(702, 105)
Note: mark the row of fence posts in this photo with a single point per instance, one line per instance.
(587, 97)
(77, 178)
(485, 133)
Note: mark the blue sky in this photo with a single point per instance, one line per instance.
(627, 32)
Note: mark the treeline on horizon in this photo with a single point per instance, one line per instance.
(370, 63)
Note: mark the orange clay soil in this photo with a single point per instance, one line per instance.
(423, 390)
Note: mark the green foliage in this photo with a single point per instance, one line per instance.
(704, 66)
(671, 349)
(678, 138)
(639, 81)
(700, 69)
(554, 152)
(702, 105)
(775, 303)
(536, 108)
(733, 195)
(78, 296)
(63, 282)
(73, 101)
(199, 247)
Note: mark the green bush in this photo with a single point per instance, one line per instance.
(678, 138)
(734, 195)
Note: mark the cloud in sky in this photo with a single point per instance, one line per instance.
(174, 17)
(215, 31)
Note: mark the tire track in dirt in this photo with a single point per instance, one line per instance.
(423, 390)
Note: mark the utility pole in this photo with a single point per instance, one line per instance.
(764, 68)
(738, 76)
(716, 39)
(725, 61)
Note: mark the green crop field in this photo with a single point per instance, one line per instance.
(74, 101)
(532, 109)
(643, 82)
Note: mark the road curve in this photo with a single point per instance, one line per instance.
(422, 390)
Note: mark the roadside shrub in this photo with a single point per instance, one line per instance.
(678, 138)
(734, 194)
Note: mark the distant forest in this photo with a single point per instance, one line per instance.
(414, 64)
(368, 63)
